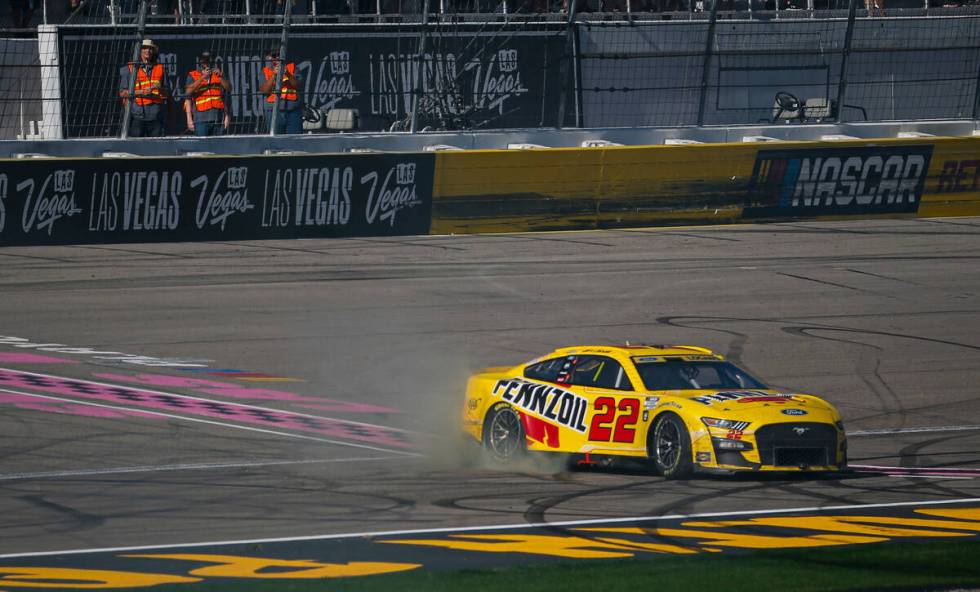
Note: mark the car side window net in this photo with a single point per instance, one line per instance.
(546, 371)
(601, 372)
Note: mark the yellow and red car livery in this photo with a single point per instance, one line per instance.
(683, 407)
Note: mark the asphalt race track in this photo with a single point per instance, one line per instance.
(168, 395)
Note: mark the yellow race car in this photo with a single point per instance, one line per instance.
(682, 407)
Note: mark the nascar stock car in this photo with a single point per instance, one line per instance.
(684, 408)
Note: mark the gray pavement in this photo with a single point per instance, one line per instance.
(378, 335)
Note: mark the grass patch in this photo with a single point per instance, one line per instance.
(942, 565)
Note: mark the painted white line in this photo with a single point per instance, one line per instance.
(927, 477)
(890, 431)
(138, 387)
(951, 470)
(211, 422)
(389, 533)
(185, 467)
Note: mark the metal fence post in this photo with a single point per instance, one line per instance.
(845, 55)
(976, 96)
(568, 64)
(133, 65)
(49, 59)
(709, 46)
(283, 42)
(420, 65)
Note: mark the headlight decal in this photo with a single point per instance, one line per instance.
(724, 424)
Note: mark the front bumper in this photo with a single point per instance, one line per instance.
(790, 447)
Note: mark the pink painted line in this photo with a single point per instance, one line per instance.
(83, 410)
(20, 358)
(237, 391)
(196, 406)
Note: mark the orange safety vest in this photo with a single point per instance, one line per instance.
(210, 95)
(144, 81)
(286, 93)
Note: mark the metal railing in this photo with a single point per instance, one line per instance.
(117, 12)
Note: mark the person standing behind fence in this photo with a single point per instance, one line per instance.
(206, 88)
(150, 93)
(290, 116)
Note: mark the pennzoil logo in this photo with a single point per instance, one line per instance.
(861, 180)
(550, 402)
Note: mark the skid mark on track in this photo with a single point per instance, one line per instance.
(893, 431)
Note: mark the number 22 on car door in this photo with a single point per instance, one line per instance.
(615, 408)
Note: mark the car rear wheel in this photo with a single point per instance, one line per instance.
(670, 447)
(503, 434)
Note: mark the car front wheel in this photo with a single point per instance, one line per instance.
(670, 447)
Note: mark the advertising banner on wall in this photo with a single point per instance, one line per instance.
(838, 181)
(467, 79)
(184, 199)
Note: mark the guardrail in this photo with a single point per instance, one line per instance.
(153, 199)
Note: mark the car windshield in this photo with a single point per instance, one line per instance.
(672, 374)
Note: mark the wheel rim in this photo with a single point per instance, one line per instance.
(504, 434)
(668, 444)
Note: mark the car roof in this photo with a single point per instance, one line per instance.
(634, 350)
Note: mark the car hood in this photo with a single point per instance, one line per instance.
(761, 404)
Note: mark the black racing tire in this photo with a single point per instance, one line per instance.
(503, 434)
(670, 447)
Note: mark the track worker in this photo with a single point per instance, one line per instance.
(289, 119)
(206, 88)
(148, 105)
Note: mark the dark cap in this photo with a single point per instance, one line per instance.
(272, 53)
(205, 56)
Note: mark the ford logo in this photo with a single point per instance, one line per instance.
(793, 412)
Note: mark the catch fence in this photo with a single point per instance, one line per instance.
(414, 70)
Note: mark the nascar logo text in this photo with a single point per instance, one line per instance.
(826, 181)
(568, 409)
(842, 179)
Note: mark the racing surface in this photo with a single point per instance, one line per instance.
(175, 394)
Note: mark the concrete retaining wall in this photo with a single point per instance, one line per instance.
(500, 191)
